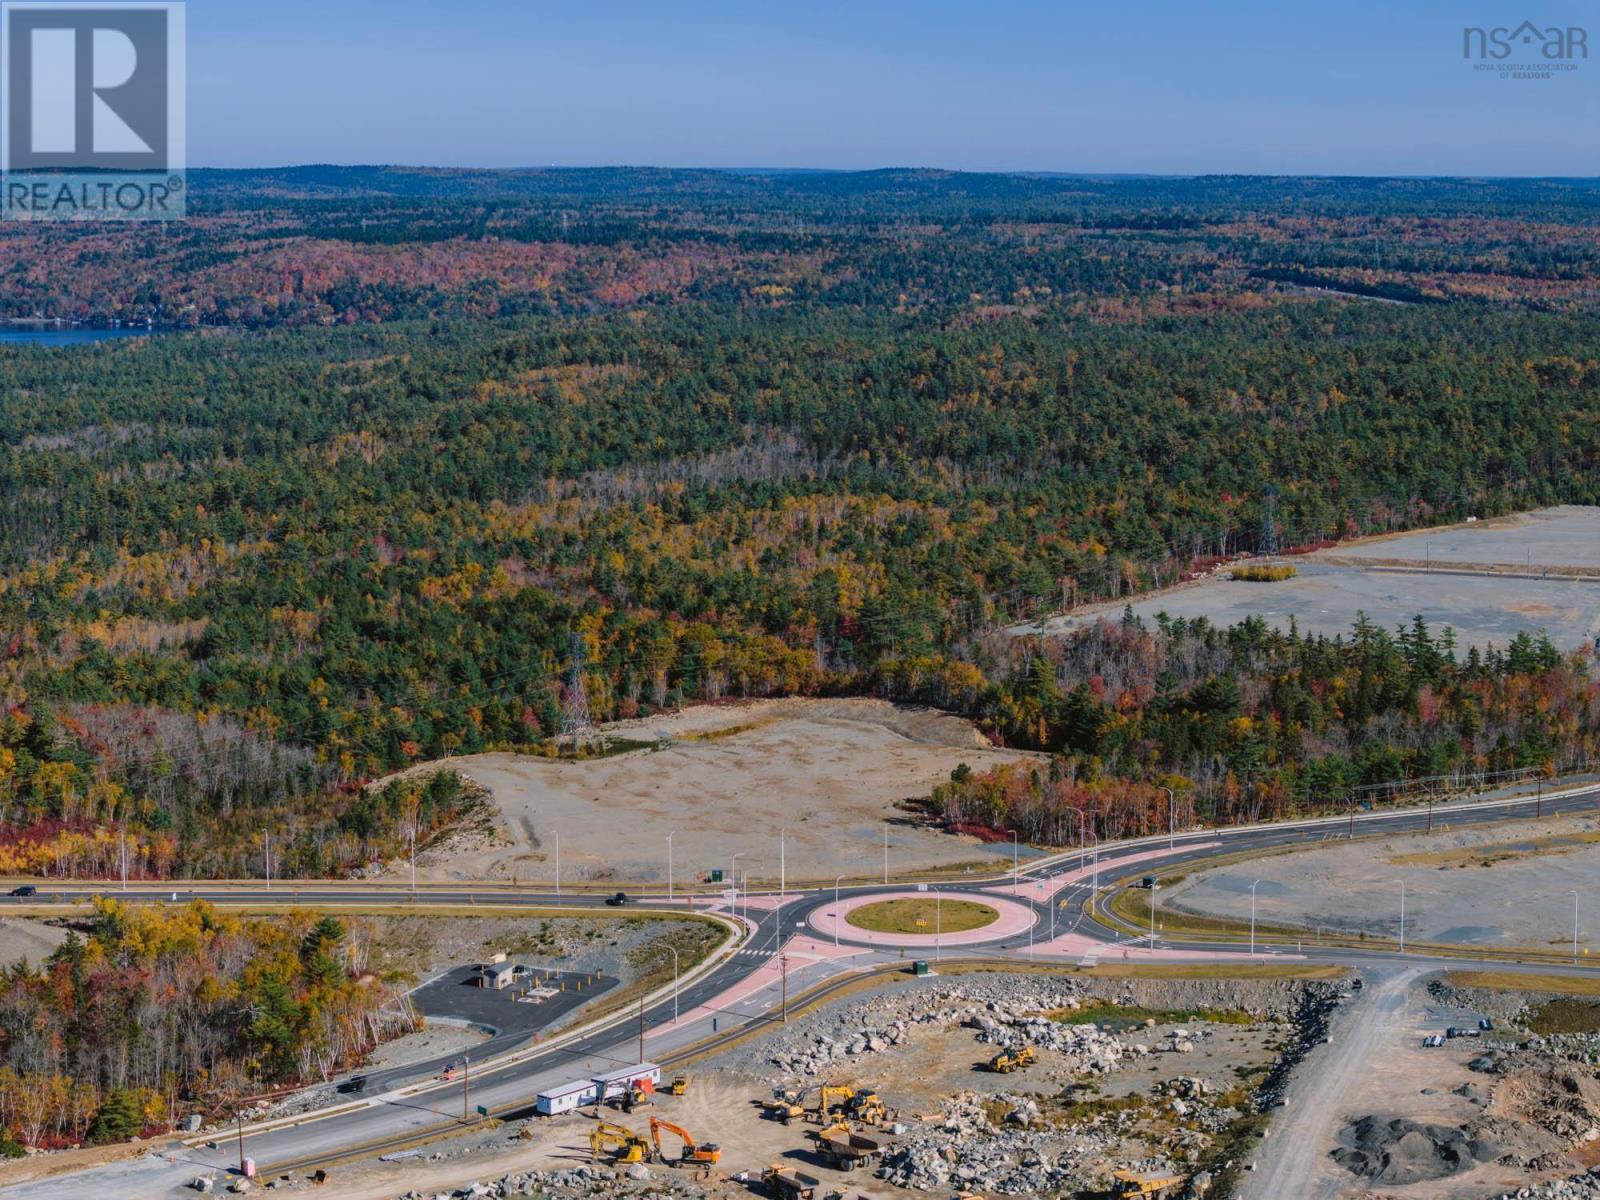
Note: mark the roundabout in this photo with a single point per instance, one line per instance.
(918, 920)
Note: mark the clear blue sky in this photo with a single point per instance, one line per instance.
(1291, 86)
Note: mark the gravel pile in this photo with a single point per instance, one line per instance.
(1397, 1150)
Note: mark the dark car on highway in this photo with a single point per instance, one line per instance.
(618, 900)
(26, 889)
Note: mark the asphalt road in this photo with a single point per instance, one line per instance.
(391, 1119)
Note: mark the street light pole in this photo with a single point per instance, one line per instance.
(669, 863)
(886, 853)
(837, 918)
(1574, 926)
(674, 950)
(1253, 887)
(938, 923)
(266, 860)
(558, 866)
(1402, 916)
(1016, 879)
(1172, 819)
(783, 837)
(413, 860)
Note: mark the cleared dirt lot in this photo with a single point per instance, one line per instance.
(1505, 886)
(725, 780)
(1333, 586)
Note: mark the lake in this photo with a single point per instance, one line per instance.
(63, 335)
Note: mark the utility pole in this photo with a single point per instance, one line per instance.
(558, 866)
(886, 853)
(466, 1088)
(1172, 819)
(641, 1028)
(670, 836)
(266, 857)
(783, 963)
(123, 838)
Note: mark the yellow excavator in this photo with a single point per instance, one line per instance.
(1013, 1060)
(622, 1143)
(784, 1106)
(700, 1154)
(832, 1099)
(1137, 1185)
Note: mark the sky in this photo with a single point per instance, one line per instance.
(1124, 86)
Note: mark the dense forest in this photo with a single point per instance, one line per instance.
(411, 437)
(158, 1009)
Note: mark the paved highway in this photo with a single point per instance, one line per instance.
(727, 997)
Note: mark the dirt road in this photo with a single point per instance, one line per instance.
(1294, 1160)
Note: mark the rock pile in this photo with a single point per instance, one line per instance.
(1577, 1187)
(574, 1183)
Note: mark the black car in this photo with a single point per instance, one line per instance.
(618, 900)
(354, 1084)
(26, 889)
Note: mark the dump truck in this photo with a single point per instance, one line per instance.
(786, 1183)
(622, 1143)
(1135, 1185)
(842, 1147)
(1013, 1060)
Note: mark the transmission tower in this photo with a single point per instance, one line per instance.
(1268, 546)
(576, 724)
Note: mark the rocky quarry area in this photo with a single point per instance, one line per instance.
(575, 1183)
(1017, 1142)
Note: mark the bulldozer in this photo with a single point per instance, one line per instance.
(700, 1154)
(1013, 1060)
(1136, 1185)
(865, 1106)
(622, 1143)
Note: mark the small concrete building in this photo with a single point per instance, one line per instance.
(496, 975)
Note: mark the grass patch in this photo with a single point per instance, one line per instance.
(1133, 906)
(1565, 1015)
(1128, 1015)
(1516, 981)
(1216, 971)
(717, 735)
(923, 916)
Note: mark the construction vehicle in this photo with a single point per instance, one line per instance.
(701, 1154)
(840, 1147)
(679, 1085)
(865, 1106)
(1135, 1185)
(1008, 1061)
(636, 1095)
(622, 1143)
(784, 1106)
(832, 1100)
(786, 1183)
